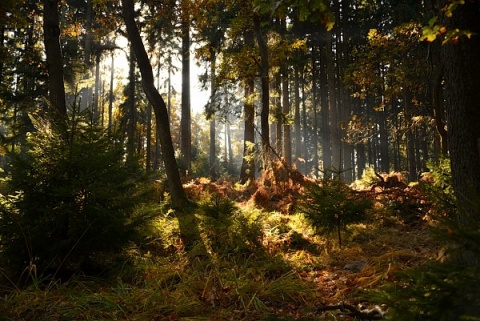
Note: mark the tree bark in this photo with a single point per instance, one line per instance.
(247, 172)
(332, 123)
(304, 125)
(130, 106)
(110, 96)
(213, 135)
(278, 114)
(315, 139)
(324, 105)
(186, 120)
(462, 102)
(412, 165)
(177, 193)
(296, 119)
(53, 52)
(287, 139)
(265, 92)
(96, 109)
(384, 140)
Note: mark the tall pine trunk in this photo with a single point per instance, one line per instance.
(462, 102)
(410, 141)
(248, 163)
(213, 135)
(130, 105)
(278, 114)
(296, 119)
(110, 96)
(247, 171)
(332, 122)
(287, 139)
(265, 93)
(51, 31)
(186, 119)
(324, 104)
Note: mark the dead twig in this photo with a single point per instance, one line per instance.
(368, 314)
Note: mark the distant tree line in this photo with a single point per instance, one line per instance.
(340, 85)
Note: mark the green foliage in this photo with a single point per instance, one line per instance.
(438, 186)
(332, 206)
(446, 289)
(436, 291)
(225, 228)
(435, 29)
(315, 11)
(70, 200)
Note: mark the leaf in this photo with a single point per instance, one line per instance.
(330, 25)
(432, 21)
(372, 33)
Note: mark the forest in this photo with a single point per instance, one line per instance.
(239, 160)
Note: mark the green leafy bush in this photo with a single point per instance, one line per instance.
(332, 205)
(70, 200)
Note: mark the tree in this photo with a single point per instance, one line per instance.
(70, 200)
(248, 164)
(462, 102)
(177, 193)
(186, 122)
(265, 87)
(54, 57)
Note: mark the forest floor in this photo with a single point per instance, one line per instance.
(245, 253)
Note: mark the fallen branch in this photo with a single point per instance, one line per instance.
(367, 314)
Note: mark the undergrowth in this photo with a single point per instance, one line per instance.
(228, 259)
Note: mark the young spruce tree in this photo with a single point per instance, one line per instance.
(70, 200)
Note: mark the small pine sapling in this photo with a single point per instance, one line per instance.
(331, 206)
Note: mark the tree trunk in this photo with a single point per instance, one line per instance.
(177, 193)
(411, 161)
(438, 109)
(278, 114)
(384, 140)
(96, 109)
(248, 163)
(462, 102)
(334, 141)
(186, 120)
(315, 129)
(51, 30)
(247, 172)
(304, 123)
(265, 83)
(287, 139)
(130, 105)
(213, 135)
(148, 152)
(110, 96)
(324, 104)
(296, 119)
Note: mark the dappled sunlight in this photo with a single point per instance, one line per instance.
(227, 258)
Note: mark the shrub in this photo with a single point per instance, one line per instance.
(71, 200)
(436, 291)
(445, 289)
(437, 184)
(332, 206)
